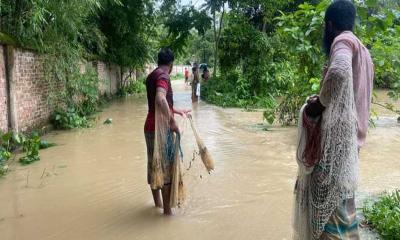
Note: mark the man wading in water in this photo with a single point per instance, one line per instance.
(328, 160)
(160, 122)
(195, 82)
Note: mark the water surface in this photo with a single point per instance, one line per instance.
(93, 184)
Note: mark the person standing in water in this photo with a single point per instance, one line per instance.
(206, 74)
(186, 75)
(195, 82)
(325, 189)
(160, 111)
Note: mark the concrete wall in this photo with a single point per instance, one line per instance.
(115, 78)
(3, 93)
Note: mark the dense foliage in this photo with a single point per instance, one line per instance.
(67, 32)
(128, 26)
(200, 49)
(274, 54)
(79, 100)
(384, 215)
(182, 24)
(133, 87)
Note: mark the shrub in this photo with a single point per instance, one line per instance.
(68, 119)
(30, 144)
(82, 92)
(384, 215)
(79, 100)
(31, 147)
(133, 87)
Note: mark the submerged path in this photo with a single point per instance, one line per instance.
(93, 184)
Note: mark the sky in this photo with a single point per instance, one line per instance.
(197, 3)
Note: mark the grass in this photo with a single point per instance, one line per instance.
(383, 215)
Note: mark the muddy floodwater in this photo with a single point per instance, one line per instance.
(92, 185)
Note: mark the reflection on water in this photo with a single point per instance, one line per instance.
(93, 184)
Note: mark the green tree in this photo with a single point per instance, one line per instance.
(128, 26)
(217, 10)
(44, 25)
(180, 25)
(200, 48)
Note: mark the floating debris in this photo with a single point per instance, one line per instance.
(45, 144)
(108, 121)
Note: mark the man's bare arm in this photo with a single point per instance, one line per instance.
(162, 103)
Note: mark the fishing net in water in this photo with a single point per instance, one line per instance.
(177, 188)
(204, 153)
(167, 158)
(162, 148)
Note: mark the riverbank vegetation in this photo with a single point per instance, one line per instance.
(260, 51)
(136, 87)
(383, 215)
(269, 53)
(28, 145)
(78, 101)
(68, 34)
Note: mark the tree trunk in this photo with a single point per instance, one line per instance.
(215, 45)
(217, 37)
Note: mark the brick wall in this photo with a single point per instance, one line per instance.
(30, 91)
(3, 93)
(110, 77)
(115, 78)
(104, 76)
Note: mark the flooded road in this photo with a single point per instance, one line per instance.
(93, 184)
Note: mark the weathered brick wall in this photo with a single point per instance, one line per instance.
(30, 90)
(115, 78)
(3, 93)
(104, 76)
(110, 77)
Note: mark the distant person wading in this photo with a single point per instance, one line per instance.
(195, 84)
(186, 76)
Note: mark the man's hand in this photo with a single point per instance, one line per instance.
(174, 127)
(314, 107)
(313, 99)
(182, 112)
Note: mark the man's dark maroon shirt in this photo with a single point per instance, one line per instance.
(157, 79)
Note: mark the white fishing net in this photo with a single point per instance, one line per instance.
(319, 190)
(162, 148)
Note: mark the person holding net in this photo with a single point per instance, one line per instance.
(160, 130)
(332, 129)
